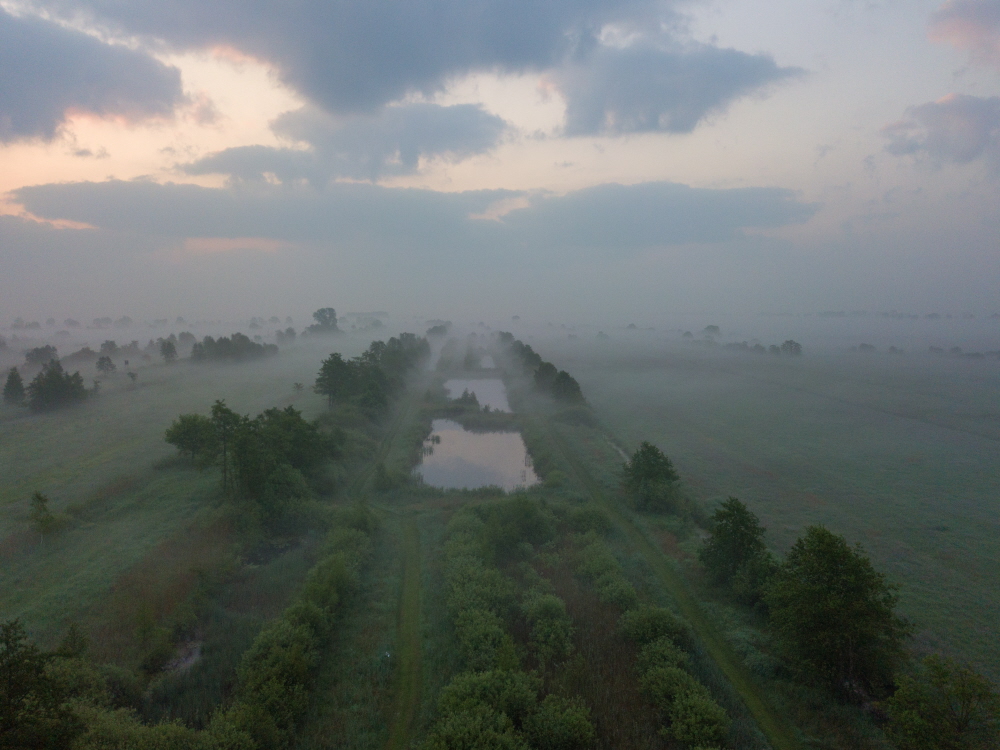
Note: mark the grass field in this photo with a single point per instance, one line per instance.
(106, 466)
(898, 454)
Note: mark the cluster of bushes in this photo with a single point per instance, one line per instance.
(494, 702)
(687, 709)
(237, 347)
(277, 674)
(371, 379)
(558, 384)
(265, 460)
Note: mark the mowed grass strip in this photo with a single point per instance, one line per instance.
(778, 732)
(408, 650)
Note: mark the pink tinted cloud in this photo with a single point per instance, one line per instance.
(971, 25)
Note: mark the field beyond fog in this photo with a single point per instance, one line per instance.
(898, 452)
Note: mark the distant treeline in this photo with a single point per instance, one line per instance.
(237, 347)
(373, 377)
(548, 379)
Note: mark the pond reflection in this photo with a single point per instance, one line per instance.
(489, 391)
(455, 458)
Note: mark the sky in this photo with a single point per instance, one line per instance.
(580, 159)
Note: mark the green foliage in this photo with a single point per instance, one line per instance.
(834, 614)
(511, 693)
(697, 720)
(168, 350)
(735, 553)
(551, 627)
(121, 729)
(649, 479)
(236, 348)
(560, 724)
(589, 518)
(41, 355)
(32, 709)
(370, 379)
(512, 521)
(195, 436)
(105, 366)
(663, 652)
(53, 388)
(947, 706)
(645, 624)
(326, 321)
(13, 389)
(479, 729)
(597, 564)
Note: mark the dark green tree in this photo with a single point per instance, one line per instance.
(226, 422)
(735, 554)
(195, 436)
(649, 479)
(53, 388)
(791, 347)
(41, 355)
(326, 321)
(13, 389)
(336, 379)
(40, 515)
(33, 713)
(168, 350)
(947, 706)
(105, 365)
(834, 615)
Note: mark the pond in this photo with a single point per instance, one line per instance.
(455, 458)
(489, 391)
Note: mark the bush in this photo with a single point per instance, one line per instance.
(551, 628)
(483, 641)
(662, 652)
(560, 724)
(647, 623)
(511, 693)
(480, 729)
(697, 719)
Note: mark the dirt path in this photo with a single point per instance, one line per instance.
(778, 732)
(408, 644)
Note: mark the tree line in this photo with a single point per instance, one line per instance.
(547, 378)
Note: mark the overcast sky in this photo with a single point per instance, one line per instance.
(621, 159)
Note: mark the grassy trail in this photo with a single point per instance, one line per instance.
(409, 643)
(778, 732)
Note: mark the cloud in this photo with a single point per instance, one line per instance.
(355, 56)
(391, 142)
(606, 220)
(957, 128)
(643, 88)
(47, 70)
(972, 25)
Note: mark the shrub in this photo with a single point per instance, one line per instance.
(481, 729)
(647, 623)
(697, 719)
(511, 693)
(662, 652)
(560, 724)
(551, 628)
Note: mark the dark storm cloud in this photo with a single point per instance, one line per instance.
(642, 88)
(357, 55)
(957, 128)
(46, 70)
(606, 219)
(391, 142)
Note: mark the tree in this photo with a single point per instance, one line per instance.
(53, 388)
(41, 355)
(947, 706)
(194, 435)
(105, 365)
(791, 347)
(109, 348)
(326, 321)
(335, 379)
(225, 421)
(40, 515)
(648, 478)
(33, 713)
(13, 389)
(168, 350)
(735, 553)
(834, 614)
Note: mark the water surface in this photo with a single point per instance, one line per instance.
(455, 458)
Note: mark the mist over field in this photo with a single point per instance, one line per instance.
(528, 375)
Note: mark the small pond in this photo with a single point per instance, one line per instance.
(489, 391)
(455, 458)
